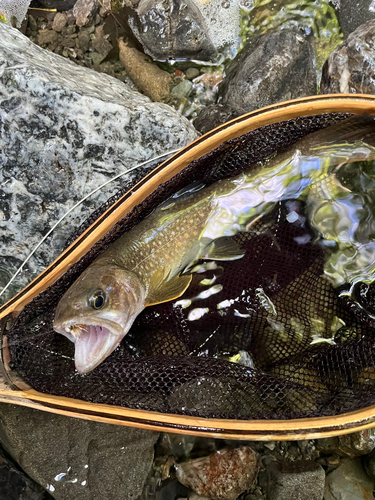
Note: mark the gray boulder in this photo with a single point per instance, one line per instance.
(351, 67)
(274, 67)
(64, 130)
(78, 459)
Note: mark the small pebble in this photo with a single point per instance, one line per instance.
(192, 73)
(59, 22)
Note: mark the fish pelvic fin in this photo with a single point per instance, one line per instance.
(162, 289)
(224, 248)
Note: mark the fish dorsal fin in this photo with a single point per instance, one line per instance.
(224, 248)
(163, 289)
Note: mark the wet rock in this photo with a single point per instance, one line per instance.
(59, 22)
(349, 482)
(84, 11)
(275, 67)
(353, 13)
(213, 116)
(192, 73)
(64, 131)
(223, 475)
(172, 29)
(15, 485)
(349, 445)
(76, 458)
(60, 5)
(300, 480)
(351, 67)
(149, 78)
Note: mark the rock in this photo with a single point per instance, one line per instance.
(299, 480)
(213, 116)
(275, 67)
(14, 12)
(58, 4)
(84, 40)
(100, 42)
(76, 458)
(64, 131)
(96, 58)
(171, 29)
(351, 67)
(183, 89)
(353, 13)
(45, 37)
(223, 475)
(192, 73)
(369, 465)
(349, 482)
(59, 22)
(15, 485)
(149, 78)
(84, 11)
(349, 445)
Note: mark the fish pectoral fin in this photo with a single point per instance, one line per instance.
(163, 289)
(224, 248)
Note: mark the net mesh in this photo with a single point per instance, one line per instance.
(249, 355)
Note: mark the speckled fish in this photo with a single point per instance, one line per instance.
(150, 264)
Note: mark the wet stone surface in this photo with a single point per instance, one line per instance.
(274, 67)
(351, 67)
(353, 13)
(75, 458)
(171, 29)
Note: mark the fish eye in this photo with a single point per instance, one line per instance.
(96, 299)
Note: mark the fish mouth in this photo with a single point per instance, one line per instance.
(93, 344)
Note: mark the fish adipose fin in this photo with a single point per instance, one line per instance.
(163, 289)
(224, 248)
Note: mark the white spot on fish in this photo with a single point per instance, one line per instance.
(50, 487)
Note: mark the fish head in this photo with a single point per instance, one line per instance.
(97, 311)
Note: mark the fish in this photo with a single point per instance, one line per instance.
(153, 262)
